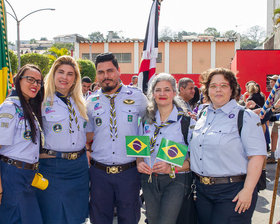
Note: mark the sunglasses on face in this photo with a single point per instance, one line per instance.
(31, 80)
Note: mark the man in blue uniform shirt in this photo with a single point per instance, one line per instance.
(113, 113)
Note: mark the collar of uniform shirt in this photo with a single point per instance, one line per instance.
(227, 108)
(172, 117)
(62, 97)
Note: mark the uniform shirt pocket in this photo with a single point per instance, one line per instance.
(130, 114)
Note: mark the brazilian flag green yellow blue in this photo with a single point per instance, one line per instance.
(137, 146)
(172, 152)
(5, 71)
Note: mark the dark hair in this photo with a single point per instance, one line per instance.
(259, 88)
(86, 79)
(195, 98)
(238, 90)
(34, 104)
(106, 57)
(228, 75)
(183, 82)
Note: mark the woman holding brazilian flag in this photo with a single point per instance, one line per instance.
(164, 192)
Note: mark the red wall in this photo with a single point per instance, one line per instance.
(255, 65)
(126, 78)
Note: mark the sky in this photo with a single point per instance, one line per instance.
(130, 16)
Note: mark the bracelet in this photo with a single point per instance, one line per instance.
(176, 171)
(89, 150)
(1, 193)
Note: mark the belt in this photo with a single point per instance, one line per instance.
(63, 155)
(220, 180)
(19, 164)
(112, 169)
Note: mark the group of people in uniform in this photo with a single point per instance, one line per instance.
(79, 146)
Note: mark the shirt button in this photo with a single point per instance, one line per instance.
(35, 157)
(72, 131)
(200, 159)
(199, 145)
(202, 172)
(113, 140)
(220, 131)
(73, 143)
(214, 112)
(160, 133)
(157, 144)
(203, 133)
(129, 111)
(113, 163)
(208, 123)
(113, 152)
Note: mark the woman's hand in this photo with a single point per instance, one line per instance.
(88, 157)
(143, 167)
(161, 167)
(243, 199)
(250, 104)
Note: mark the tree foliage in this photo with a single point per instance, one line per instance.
(96, 36)
(211, 31)
(185, 33)
(68, 46)
(13, 61)
(42, 61)
(166, 34)
(87, 68)
(53, 53)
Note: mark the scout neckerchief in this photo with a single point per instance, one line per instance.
(72, 112)
(113, 118)
(14, 95)
(154, 138)
(40, 129)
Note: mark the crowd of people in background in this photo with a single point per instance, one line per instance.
(77, 142)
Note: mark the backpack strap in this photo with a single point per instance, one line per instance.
(240, 120)
(185, 124)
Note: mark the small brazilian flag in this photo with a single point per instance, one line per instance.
(172, 152)
(137, 146)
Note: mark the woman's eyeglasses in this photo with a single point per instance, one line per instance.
(222, 86)
(31, 80)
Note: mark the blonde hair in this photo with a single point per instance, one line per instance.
(252, 88)
(75, 91)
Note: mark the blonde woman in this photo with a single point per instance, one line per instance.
(63, 159)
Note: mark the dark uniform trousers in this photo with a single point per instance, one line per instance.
(109, 190)
(214, 204)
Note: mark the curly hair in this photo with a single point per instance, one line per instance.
(228, 75)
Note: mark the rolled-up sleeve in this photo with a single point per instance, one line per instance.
(252, 135)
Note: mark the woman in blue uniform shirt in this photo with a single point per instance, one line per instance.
(20, 118)
(163, 195)
(63, 159)
(226, 166)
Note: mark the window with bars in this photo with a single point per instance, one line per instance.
(86, 56)
(123, 57)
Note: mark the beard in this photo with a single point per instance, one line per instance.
(107, 88)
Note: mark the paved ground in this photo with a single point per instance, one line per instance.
(262, 212)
